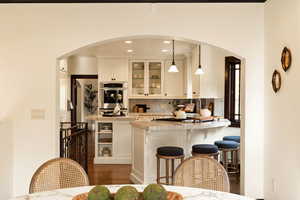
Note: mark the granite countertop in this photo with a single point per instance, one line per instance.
(187, 193)
(129, 117)
(165, 125)
(120, 118)
(151, 114)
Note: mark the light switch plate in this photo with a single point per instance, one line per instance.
(38, 114)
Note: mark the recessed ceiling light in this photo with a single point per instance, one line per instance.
(164, 50)
(167, 42)
(128, 41)
(129, 50)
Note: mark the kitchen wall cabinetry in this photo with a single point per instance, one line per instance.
(211, 83)
(146, 79)
(113, 69)
(213, 80)
(195, 91)
(174, 86)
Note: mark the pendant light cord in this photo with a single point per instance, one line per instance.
(173, 54)
(199, 55)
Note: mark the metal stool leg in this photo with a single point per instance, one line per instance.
(225, 160)
(158, 170)
(167, 171)
(173, 169)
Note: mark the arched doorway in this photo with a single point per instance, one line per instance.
(190, 77)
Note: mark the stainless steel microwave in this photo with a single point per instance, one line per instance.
(111, 93)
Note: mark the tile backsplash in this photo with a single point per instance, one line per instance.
(169, 105)
(155, 105)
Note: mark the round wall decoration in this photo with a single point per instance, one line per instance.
(276, 81)
(286, 59)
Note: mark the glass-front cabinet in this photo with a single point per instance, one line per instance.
(146, 78)
(138, 78)
(155, 76)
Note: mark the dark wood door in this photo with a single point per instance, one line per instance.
(74, 79)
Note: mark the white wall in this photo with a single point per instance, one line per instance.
(65, 90)
(6, 163)
(37, 34)
(82, 65)
(282, 162)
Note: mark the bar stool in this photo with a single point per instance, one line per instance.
(208, 150)
(230, 164)
(235, 139)
(232, 138)
(168, 153)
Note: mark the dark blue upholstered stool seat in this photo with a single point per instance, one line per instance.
(224, 144)
(205, 149)
(232, 138)
(170, 151)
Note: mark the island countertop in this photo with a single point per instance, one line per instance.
(115, 118)
(165, 125)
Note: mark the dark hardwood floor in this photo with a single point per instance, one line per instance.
(119, 174)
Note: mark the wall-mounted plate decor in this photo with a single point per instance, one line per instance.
(276, 81)
(286, 59)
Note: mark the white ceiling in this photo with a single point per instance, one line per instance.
(142, 48)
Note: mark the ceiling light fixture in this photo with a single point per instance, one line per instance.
(128, 42)
(167, 42)
(164, 50)
(199, 71)
(173, 67)
(129, 50)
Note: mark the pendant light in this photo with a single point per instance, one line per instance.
(199, 71)
(173, 67)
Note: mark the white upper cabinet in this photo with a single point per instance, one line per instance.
(113, 69)
(146, 78)
(195, 90)
(174, 85)
(212, 82)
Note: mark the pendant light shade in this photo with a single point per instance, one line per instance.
(173, 67)
(199, 71)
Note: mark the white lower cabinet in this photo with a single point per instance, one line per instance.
(122, 139)
(113, 142)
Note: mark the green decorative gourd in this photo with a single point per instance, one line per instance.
(127, 193)
(155, 192)
(99, 192)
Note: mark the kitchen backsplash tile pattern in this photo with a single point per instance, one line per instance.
(155, 105)
(167, 105)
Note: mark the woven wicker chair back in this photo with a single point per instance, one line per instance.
(56, 174)
(202, 172)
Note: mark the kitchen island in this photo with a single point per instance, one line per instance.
(147, 136)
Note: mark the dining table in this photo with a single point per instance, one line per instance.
(187, 193)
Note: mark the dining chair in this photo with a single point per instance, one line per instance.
(58, 173)
(202, 172)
